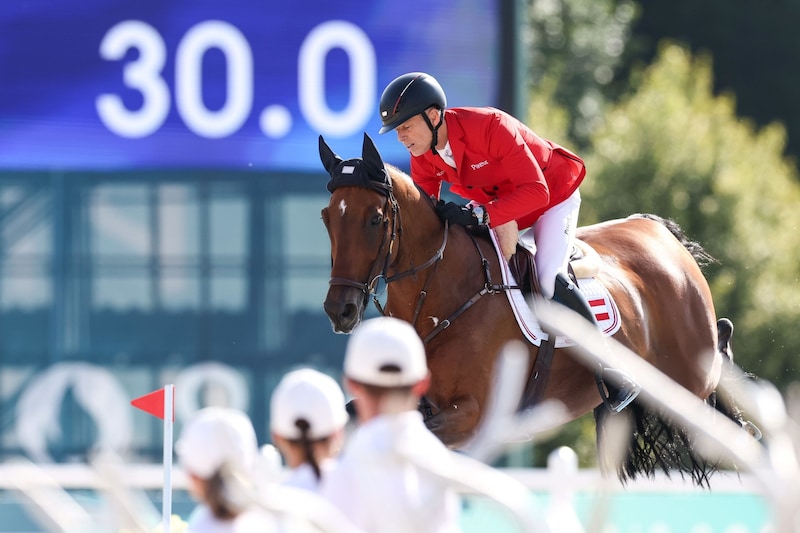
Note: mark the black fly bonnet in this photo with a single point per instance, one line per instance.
(368, 171)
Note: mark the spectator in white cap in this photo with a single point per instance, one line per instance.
(307, 419)
(385, 481)
(218, 448)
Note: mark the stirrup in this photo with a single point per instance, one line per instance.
(752, 429)
(625, 390)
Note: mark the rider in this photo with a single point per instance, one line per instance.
(514, 179)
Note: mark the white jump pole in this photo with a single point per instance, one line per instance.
(166, 506)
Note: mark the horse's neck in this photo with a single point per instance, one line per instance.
(445, 278)
(420, 234)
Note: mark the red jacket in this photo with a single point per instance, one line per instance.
(501, 164)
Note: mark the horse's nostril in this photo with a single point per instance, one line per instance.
(349, 311)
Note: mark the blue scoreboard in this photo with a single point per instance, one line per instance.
(155, 84)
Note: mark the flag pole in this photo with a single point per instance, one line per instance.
(161, 403)
(169, 415)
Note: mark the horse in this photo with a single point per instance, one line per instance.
(385, 234)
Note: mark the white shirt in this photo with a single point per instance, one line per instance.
(303, 476)
(382, 485)
(202, 520)
(446, 154)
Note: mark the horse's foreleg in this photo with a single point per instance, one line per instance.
(454, 421)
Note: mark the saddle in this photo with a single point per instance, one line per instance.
(584, 263)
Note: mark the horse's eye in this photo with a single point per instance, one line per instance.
(376, 220)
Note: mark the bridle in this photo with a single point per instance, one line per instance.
(384, 259)
(379, 271)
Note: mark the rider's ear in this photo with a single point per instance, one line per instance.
(434, 115)
(329, 159)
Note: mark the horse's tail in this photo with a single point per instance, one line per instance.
(655, 443)
(700, 255)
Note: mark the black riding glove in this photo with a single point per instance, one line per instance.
(456, 214)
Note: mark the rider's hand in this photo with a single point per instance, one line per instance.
(456, 214)
(507, 236)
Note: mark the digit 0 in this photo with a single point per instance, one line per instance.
(311, 68)
(189, 79)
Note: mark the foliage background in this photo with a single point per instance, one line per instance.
(632, 87)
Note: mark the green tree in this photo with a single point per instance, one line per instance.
(753, 45)
(575, 49)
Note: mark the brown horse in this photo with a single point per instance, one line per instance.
(384, 230)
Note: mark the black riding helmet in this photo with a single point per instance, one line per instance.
(409, 95)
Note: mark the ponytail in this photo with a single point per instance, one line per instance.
(308, 446)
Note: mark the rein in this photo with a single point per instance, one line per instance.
(488, 288)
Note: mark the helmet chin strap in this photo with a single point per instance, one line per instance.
(434, 130)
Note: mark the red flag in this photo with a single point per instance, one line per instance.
(153, 403)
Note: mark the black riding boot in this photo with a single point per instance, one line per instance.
(567, 294)
(622, 390)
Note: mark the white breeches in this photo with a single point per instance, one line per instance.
(550, 238)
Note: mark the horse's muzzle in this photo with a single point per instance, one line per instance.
(345, 308)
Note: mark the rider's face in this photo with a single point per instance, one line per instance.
(415, 134)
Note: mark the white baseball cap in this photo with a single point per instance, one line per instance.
(386, 352)
(311, 395)
(217, 436)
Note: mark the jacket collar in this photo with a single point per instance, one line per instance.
(455, 136)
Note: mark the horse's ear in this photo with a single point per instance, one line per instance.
(373, 159)
(327, 156)
(369, 153)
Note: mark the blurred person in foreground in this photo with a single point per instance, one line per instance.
(226, 471)
(307, 420)
(218, 449)
(385, 480)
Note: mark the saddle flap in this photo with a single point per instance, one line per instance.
(523, 268)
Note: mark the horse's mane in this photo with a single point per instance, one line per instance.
(399, 178)
(404, 186)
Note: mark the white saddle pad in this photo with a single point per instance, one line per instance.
(605, 309)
